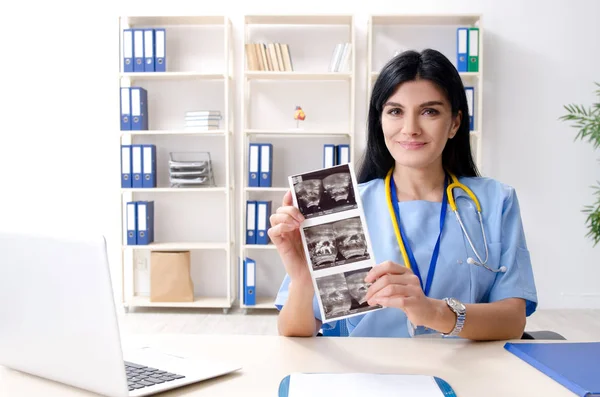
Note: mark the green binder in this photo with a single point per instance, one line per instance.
(473, 50)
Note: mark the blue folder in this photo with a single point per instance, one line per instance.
(573, 365)
(445, 388)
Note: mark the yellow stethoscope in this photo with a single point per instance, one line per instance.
(449, 193)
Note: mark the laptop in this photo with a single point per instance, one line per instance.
(59, 322)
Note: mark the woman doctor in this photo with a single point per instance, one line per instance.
(418, 129)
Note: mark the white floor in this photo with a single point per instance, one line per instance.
(575, 325)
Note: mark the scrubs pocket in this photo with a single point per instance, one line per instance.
(482, 279)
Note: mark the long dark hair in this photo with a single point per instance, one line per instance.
(411, 65)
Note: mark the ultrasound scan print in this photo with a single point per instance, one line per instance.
(344, 294)
(337, 187)
(325, 192)
(334, 295)
(357, 287)
(350, 241)
(309, 196)
(321, 245)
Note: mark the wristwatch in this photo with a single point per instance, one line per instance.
(460, 310)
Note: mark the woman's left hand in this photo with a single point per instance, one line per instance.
(397, 286)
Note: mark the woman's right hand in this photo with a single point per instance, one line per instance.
(285, 234)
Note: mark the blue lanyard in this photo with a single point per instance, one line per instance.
(436, 250)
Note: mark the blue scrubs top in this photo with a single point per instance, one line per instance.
(453, 276)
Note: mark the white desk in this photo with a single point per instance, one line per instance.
(472, 369)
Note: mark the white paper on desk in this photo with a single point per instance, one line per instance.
(360, 385)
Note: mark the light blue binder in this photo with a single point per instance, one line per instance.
(329, 155)
(251, 222)
(149, 47)
(125, 101)
(127, 50)
(138, 50)
(131, 224)
(125, 166)
(266, 165)
(149, 165)
(145, 222)
(160, 50)
(139, 109)
(263, 212)
(462, 48)
(249, 282)
(470, 93)
(253, 164)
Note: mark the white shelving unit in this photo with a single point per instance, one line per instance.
(199, 76)
(267, 117)
(390, 33)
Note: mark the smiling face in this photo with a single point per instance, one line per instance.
(417, 121)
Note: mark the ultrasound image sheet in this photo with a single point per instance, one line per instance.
(335, 239)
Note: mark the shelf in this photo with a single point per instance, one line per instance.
(199, 302)
(296, 133)
(178, 246)
(424, 19)
(334, 76)
(175, 20)
(261, 303)
(173, 76)
(298, 19)
(269, 246)
(267, 189)
(189, 132)
(175, 190)
(374, 75)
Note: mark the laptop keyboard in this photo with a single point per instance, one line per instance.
(139, 376)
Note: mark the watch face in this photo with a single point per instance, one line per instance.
(457, 305)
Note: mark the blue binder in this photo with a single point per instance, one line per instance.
(343, 154)
(125, 100)
(160, 50)
(131, 224)
(127, 50)
(145, 222)
(137, 175)
(462, 46)
(329, 155)
(573, 365)
(266, 165)
(138, 50)
(263, 212)
(445, 388)
(139, 109)
(470, 93)
(251, 222)
(125, 166)
(253, 164)
(149, 166)
(149, 50)
(249, 282)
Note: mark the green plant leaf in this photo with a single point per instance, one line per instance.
(586, 120)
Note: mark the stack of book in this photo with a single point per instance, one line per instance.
(203, 120)
(272, 57)
(340, 59)
(190, 169)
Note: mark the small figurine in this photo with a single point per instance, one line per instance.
(299, 115)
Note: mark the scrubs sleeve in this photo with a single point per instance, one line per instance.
(282, 296)
(518, 280)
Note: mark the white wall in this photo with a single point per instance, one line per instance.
(59, 145)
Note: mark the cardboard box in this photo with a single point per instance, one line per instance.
(170, 277)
